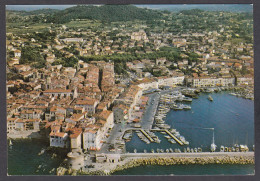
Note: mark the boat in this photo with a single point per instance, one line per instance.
(152, 150)
(172, 141)
(236, 146)
(243, 148)
(187, 99)
(208, 90)
(210, 98)
(199, 149)
(42, 151)
(222, 148)
(226, 149)
(167, 136)
(188, 149)
(180, 107)
(135, 151)
(167, 150)
(186, 107)
(195, 150)
(10, 143)
(191, 150)
(171, 150)
(186, 142)
(162, 150)
(213, 146)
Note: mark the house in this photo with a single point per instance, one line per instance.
(59, 139)
(59, 93)
(75, 139)
(161, 61)
(106, 116)
(17, 53)
(92, 138)
(88, 103)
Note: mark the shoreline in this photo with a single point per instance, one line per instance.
(25, 135)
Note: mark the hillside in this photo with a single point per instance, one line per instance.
(105, 13)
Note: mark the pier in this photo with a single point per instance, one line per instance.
(174, 137)
(147, 136)
(130, 160)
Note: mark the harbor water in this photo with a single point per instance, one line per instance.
(231, 117)
(212, 169)
(25, 157)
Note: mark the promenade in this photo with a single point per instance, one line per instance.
(200, 154)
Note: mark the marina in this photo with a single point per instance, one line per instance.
(191, 133)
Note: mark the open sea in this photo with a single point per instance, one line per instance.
(231, 117)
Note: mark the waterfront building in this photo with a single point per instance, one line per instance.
(170, 81)
(147, 83)
(92, 138)
(58, 139)
(11, 124)
(244, 80)
(75, 139)
(212, 81)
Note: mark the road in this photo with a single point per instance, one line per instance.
(148, 116)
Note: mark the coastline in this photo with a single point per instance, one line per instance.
(25, 135)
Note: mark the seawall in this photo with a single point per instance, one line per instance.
(166, 159)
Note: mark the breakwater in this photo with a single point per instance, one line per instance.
(166, 159)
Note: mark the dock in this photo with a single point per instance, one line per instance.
(174, 137)
(147, 136)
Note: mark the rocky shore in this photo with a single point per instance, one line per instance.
(129, 163)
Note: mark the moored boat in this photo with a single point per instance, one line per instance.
(210, 98)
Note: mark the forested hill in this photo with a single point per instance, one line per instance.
(106, 13)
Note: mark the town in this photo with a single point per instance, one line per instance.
(83, 87)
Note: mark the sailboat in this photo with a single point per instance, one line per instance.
(10, 143)
(213, 146)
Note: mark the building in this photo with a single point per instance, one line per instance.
(120, 113)
(92, 139)
(59, 93)
(75, 139)
(59, 139)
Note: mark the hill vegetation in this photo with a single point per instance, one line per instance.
(105, 13)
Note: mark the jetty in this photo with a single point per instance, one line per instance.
(174, 137)
(129, 160)
(147, 135)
